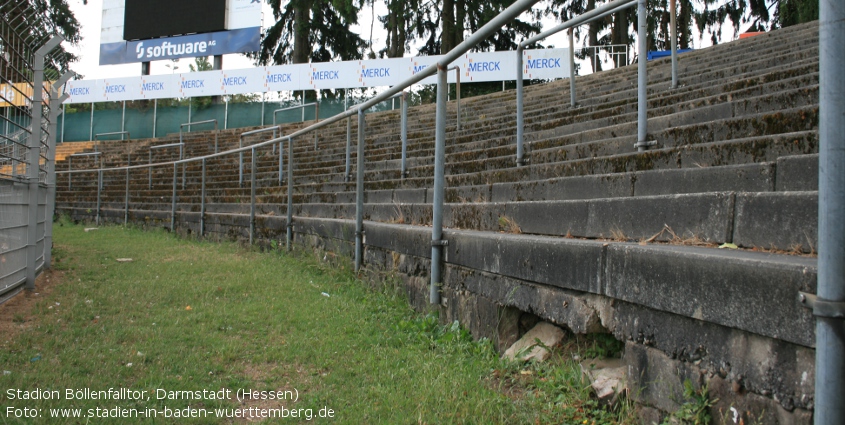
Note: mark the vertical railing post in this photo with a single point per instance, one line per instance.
(359, 194)
(347, 174)
(173, 201)
(155, 116)
(674, 35)
(181, 157)
(458, 94)
(123, 119)
(520, 121)
(437, 241)
(33, 159)
(91, 129)
(52, 140)
(830, 341)
(572, 96)
(252, 199)
(150, 171)
(99, 194)
(289, 233)
(202, 202)
(642, 82)
(64, 118)
(404, 134)
(69, 169)
(126, 200)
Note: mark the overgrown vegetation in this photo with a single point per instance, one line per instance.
(192, 316)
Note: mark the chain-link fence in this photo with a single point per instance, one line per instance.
(31, 68)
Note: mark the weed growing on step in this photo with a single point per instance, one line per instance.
(695, 409)
(509, 225)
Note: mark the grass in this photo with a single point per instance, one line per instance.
(193, 316)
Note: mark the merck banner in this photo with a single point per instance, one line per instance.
(544, 64)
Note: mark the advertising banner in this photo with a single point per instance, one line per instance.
(187, 46)
(545, 64)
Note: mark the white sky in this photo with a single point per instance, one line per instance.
(88, 50)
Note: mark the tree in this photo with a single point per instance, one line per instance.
(36, 21)
(315, 31)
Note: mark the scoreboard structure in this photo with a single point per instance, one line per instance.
(148, 30)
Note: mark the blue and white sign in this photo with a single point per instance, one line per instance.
(474, 67)
(159, 86)
(545, 64)
(195, 84)
(287, 77)
(240, 81)
(243, 34)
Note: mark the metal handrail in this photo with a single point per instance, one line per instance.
(303, 106)
(276, 130)
(121, 133)
(518, 7)
(404, 128)
(189, 124)
(597, 13)
(169, 145)
(70, 164)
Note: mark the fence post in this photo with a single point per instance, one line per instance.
(155, 116)
(91, 130)
(55, 101)
(359, 194)
(348, 173)
(437, 241)
(34, 156)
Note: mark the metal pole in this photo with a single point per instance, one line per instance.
(64, 118)
(189, 115)
(173, 203)
(281, 168)
(155, 116)
(439, 188)
(34, 156)
(348, 173)
(404, 134)
(571, 68)
(123, 119)
(225, 121)
(252, 200)
(642, 105)
(126, 201)
(289, 234)
(359, 194)
(99, 198)
(263, 100)
(830, 342)
(69, 174)
(181, 157)
(520, 121)
(150, 171)
(674, 35)
(91, 129)
(55, 101)
(458, 94)
(202, 201)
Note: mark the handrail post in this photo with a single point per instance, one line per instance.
(348, 173)
(572, 97)
(359, 194)
(252, 200)
(520, 121)
(217, 132)
(458, 93)
(830, 343)
(316, 120)
(289, 234)
(126, 200)
(181, 157)
(69, 169)
(173, 202)
(404, 134)
(202, 202)
(241, 162)
(281, 161)
(439, 188)
(150, 171)
(642, 94)
(674, 34)
(99, 189)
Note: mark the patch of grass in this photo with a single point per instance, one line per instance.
(191, 316)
